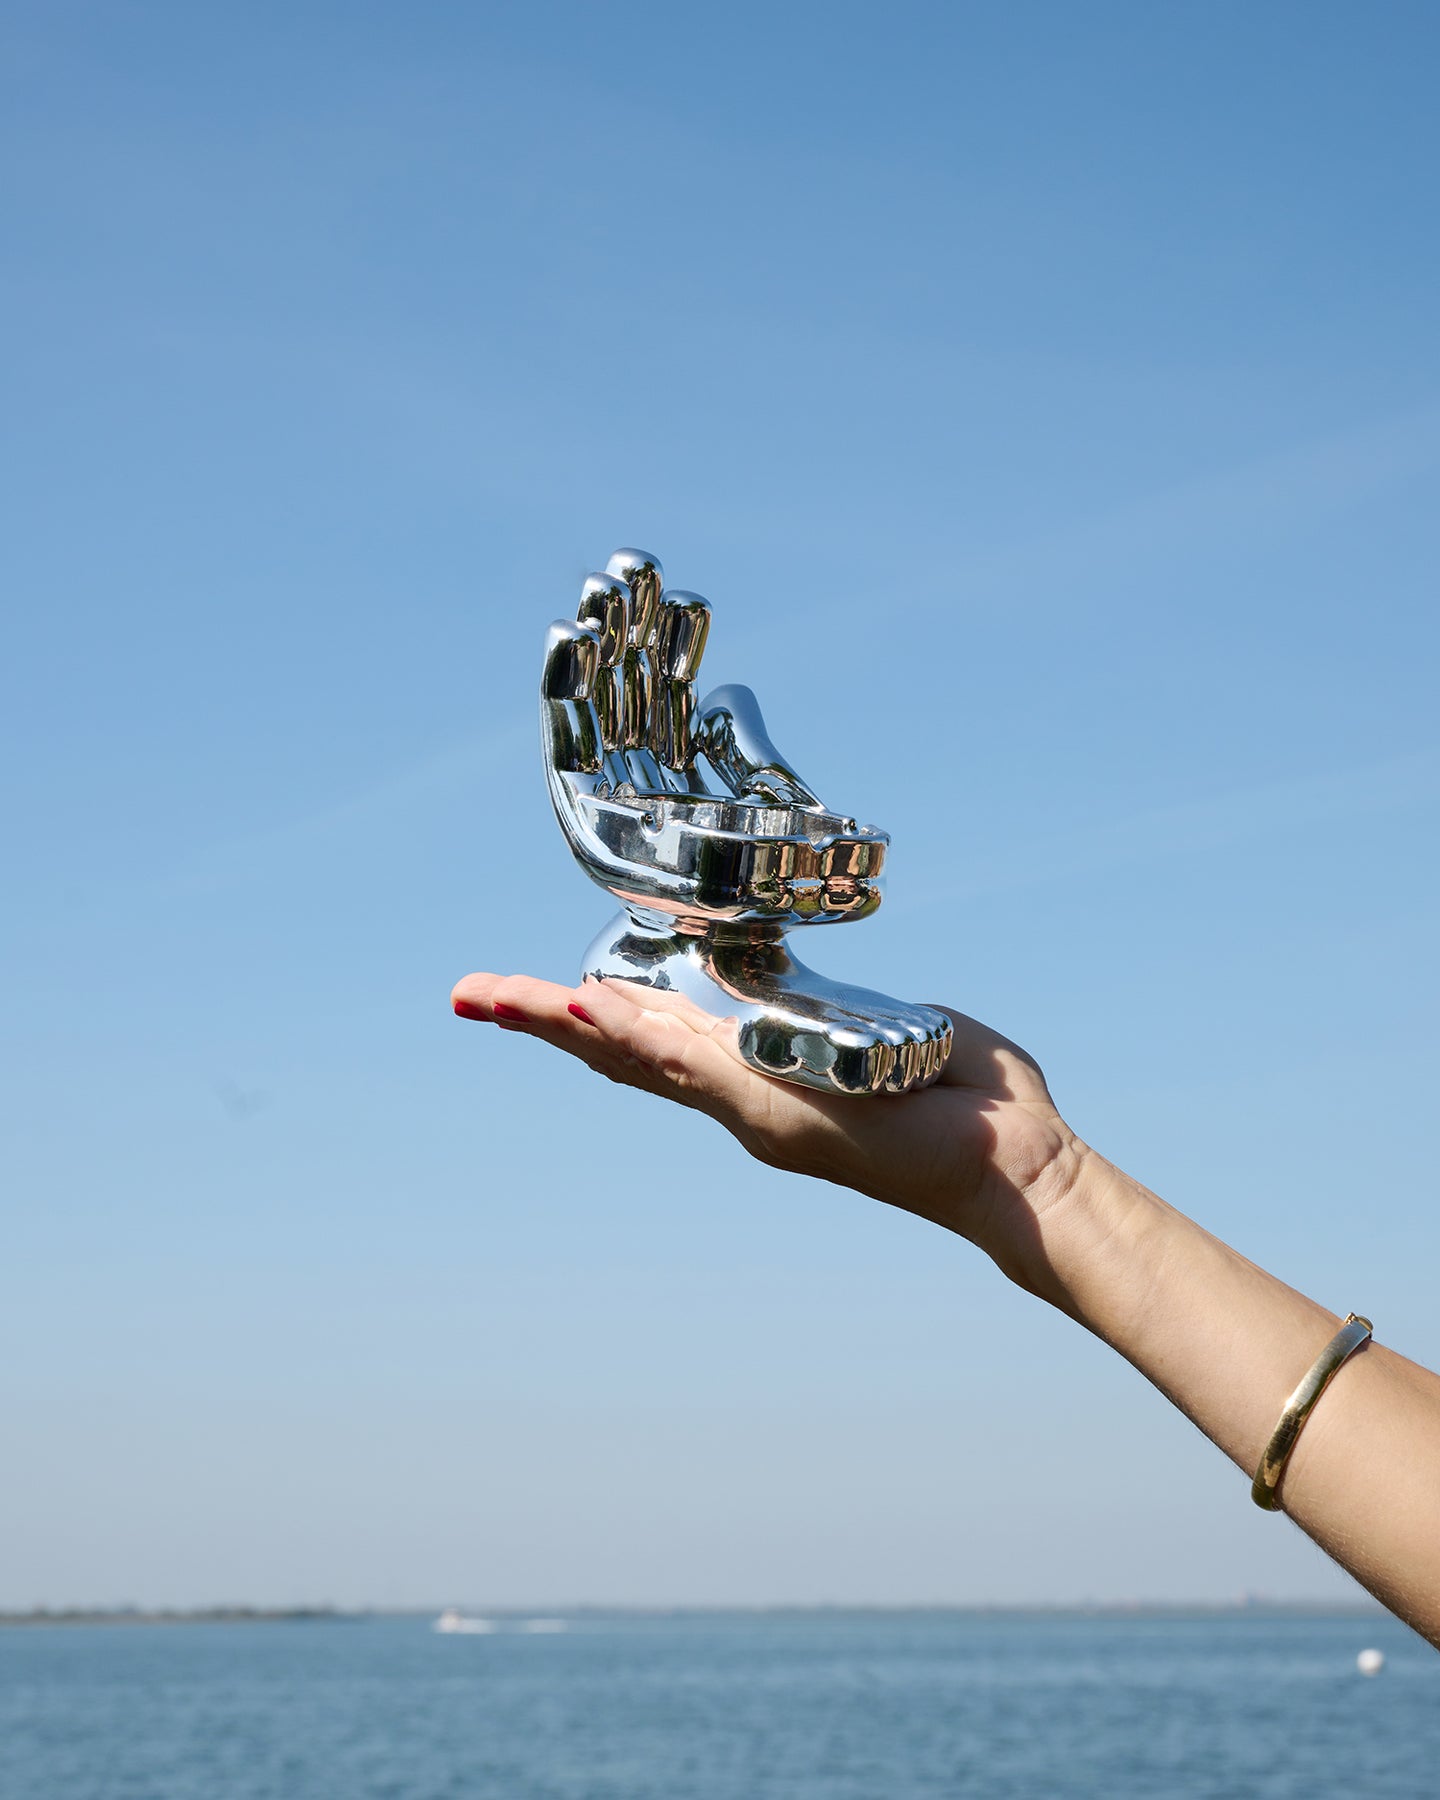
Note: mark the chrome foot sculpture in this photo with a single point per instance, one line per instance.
(713, 844)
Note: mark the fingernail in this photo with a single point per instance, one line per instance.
(464, 1010)
(581, 1014)
(501, 1011)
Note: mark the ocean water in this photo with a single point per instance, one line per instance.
(830, 1706)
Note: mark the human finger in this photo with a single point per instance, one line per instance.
(666, 1000)
(509, 999)
(690, 1055)
(534, 1008)
(563, 1017)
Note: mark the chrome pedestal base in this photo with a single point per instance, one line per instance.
(788, 1021)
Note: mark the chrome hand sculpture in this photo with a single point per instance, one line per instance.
(713, 844)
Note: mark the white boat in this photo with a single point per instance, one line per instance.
(455, 1622)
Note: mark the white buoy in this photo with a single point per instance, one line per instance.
(1370, 1662)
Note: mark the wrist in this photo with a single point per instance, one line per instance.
(1080, 1234)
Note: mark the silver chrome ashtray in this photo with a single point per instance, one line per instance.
(714, 846)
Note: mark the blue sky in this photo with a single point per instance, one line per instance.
(1047, 399)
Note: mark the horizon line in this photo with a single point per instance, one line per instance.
(239, 1611)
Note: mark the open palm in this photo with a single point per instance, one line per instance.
(966, 1152)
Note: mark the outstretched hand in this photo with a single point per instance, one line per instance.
(979, 1152)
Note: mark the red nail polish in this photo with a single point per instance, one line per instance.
(502, 1011)
(464, 1010)
(581, 1014)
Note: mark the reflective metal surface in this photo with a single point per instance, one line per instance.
(714, 844)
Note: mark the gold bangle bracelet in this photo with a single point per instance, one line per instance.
(1351, 1335)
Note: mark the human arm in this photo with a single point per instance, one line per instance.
(986, 1153)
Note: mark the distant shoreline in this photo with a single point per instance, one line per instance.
(186, 1615)
(289, 1615)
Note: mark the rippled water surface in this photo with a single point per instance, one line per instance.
(842, 1706)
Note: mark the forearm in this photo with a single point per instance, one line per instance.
(1227, 1342)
